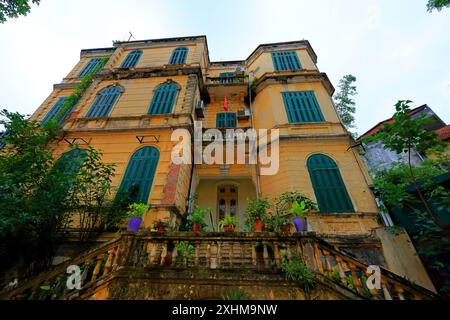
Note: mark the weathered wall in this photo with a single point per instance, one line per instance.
(402, 258)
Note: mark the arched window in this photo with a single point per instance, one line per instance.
(140, 172)
(164, 99)
(71, 161)
(91, 65)
(54, 112)
(179, 55)
(328, 185)
(132, 59)
(104, 102)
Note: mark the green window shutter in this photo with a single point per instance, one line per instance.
(302, 106)
(71, 161)
(164, 99)
(91, 65)
(54, 111)
(329, 188)
(132, 59)
(140, 173)
(179, 55)
(285, 61)
(227, 74)
(104, 101)
(226, 120)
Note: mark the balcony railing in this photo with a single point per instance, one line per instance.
(240, 80)
(255, 252)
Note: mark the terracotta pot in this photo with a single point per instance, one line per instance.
(257, 225)
(197, 227)
(229, 228)
(161, 229)
(286, 229)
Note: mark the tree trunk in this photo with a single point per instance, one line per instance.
(416, 186)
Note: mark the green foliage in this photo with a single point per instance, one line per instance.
(299, 210)
(345, 105)
(228, 220)
(406, 133)
(78, 92)
(286, 199)
(198, 217)
(257, 209)
(137, 209)
(437, 4)
(297, 271)
(39, 196)
(277, 221)
(15, 8)
(181, 248)
(236, 294)
(391, 184)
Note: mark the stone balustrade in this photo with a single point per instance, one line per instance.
(256, 252)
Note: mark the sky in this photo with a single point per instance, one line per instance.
(395, 48)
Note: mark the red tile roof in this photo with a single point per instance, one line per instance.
(378, 126)
(444, 133)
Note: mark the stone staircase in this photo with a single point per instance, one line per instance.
(212, 260)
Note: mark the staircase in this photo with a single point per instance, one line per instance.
(218, 254)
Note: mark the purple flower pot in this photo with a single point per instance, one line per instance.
(300, 224)
(134, 223)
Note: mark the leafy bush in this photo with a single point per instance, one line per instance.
(137, 209)
(229, 220)
(297, 271)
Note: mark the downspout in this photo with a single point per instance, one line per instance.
(258, 183)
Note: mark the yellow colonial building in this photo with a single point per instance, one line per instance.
(150, 88)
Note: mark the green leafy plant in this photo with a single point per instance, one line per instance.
(299, 210)
(284, 202)
(15, 8)
(257, 209)
(236, 294)
(198, 217)
(137, 209)
(437, 5)
(298, 272)
(228, 220)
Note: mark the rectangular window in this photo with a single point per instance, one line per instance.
(302, 106)
(285, 61)
(226, 120)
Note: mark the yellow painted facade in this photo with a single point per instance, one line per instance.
(254, 95)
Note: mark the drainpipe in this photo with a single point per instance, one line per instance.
(258, 183)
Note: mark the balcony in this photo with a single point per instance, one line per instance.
(217, 258)
(227, 86)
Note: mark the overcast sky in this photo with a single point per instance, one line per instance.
(395, 48)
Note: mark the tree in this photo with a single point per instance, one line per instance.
(15, 8)
(345, 105)
(405, 134)
(39, 194)
(437, 4)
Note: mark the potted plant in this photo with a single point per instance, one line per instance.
(228, 223)
(198, 218)
(256, 213)
(299, 212)
(160, 226)
(285, 224)
(135, 213)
